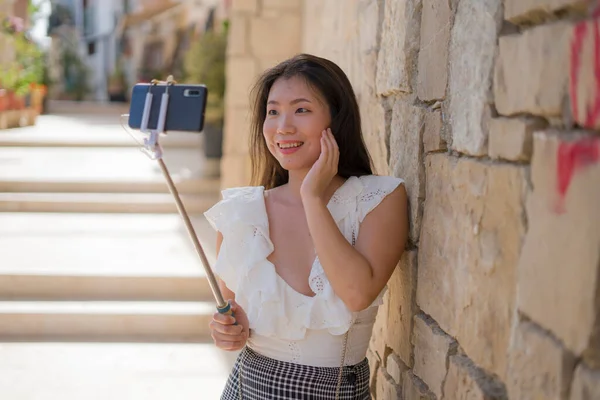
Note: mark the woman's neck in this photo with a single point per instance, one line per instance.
(295, 179)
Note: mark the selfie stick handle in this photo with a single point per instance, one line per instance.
(153, 150)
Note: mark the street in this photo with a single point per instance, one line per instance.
(101, 292)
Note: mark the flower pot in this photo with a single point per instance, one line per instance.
(19, 102)
(10, 101)
(3, 100)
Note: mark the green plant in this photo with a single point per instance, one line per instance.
(117, 79)
(75, 73)
(27, 69)
(204, 63)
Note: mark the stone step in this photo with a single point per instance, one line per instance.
(189, 186)
(98, 287)
(125, 165)
(95, 130)
(70, 107)
(118, 371)
(82, 142)
(103, 202)
(102, 257)
(105, 321)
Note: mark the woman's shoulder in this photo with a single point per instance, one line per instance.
(238, 203)
(242, 193)
(379, 182)
(375, 188)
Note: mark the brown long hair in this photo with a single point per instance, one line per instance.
(333, 86)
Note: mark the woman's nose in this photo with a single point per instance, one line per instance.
(285, 125)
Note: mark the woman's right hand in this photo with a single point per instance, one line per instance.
(225, 334)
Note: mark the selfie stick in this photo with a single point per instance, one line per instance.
(153, 150)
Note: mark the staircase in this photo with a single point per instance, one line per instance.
(92, 247)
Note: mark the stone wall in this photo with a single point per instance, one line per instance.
(262, 33)
(490, 110)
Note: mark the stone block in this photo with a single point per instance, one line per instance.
(586, 385)
(531, 73)
(399, 46)
(432, 349)
(386, 387)
(432, 133)
(470, 243)
(368, 23)
(401, 307)
(374, 365)
(436, 20)
(395, 368)
(512, 138)
(533, 11)
(368, 75)
(237, 42)
(558, 268)
(406, 156)
(237, 131)
(279, 36)
(379, 334)
(465, 381)
(472, 52)
(290, 5)
(415, 389)
(584, 72)
(235, 171)
(539, 368)
(265, 63)
(374, 132)
(241, 77)
(244, 6)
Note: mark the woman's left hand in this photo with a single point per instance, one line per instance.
(323, 170)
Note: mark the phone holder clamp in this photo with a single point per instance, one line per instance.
(151, 146)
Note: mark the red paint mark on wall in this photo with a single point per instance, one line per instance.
(587, 115)
(572, 157)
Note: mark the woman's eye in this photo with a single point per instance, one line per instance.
(271, 112)
(302, 110)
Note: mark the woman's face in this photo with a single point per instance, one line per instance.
(295, 119)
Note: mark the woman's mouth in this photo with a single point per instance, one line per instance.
(289, 147)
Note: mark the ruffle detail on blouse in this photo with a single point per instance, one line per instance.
(274, 308)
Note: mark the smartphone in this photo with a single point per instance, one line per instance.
(185, 111)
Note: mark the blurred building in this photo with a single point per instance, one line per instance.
(121, 42)
(10, 9)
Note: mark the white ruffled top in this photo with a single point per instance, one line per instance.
(285, 324)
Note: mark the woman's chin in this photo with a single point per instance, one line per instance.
(294, 166)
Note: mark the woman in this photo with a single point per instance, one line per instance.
(305, 256)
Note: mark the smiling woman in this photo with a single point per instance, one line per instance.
(305, 256)
(315, 86)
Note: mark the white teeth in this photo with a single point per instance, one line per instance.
(289, 145)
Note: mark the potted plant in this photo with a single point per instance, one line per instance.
(3, 100)
(117, 85)
(205, 64)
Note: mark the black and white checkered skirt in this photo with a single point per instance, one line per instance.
(264, 378)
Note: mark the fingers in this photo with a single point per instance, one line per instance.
(226, 335)
(333, 150)
(224, 319)
(324, 147)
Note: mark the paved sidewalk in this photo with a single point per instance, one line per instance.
(100, 272)
(123, 371)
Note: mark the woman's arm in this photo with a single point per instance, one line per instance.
(358, 274)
